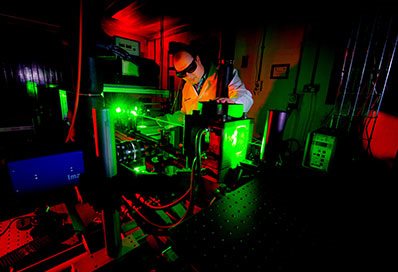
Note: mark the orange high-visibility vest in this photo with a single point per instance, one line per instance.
(236, 91)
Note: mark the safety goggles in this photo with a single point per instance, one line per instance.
(190, 69)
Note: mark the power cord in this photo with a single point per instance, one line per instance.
(23, 223)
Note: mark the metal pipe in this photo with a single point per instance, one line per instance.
(348, 76)
(342, 75)
(388, 74)
(362, 74)
(379, 68)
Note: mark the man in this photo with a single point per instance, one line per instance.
(200, 76)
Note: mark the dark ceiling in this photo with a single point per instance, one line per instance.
(201, 13)
(60, 14)
(46, 11)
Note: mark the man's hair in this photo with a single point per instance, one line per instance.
(207, 52)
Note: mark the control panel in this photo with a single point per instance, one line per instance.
(319, 151)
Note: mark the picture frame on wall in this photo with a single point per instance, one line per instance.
(280, 71)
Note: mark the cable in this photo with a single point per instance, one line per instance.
(177, 97)
(130, 205)
(196, 168)
(12, 221)
(174, 202)
(189, 191)
(198, 149)
(79, 73)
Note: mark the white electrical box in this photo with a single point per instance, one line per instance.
(319, 151)
(131, 46)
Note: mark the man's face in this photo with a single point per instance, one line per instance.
(188, 68)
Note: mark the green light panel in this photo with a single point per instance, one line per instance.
(236, 139)
(31, 87)
(64, 104)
